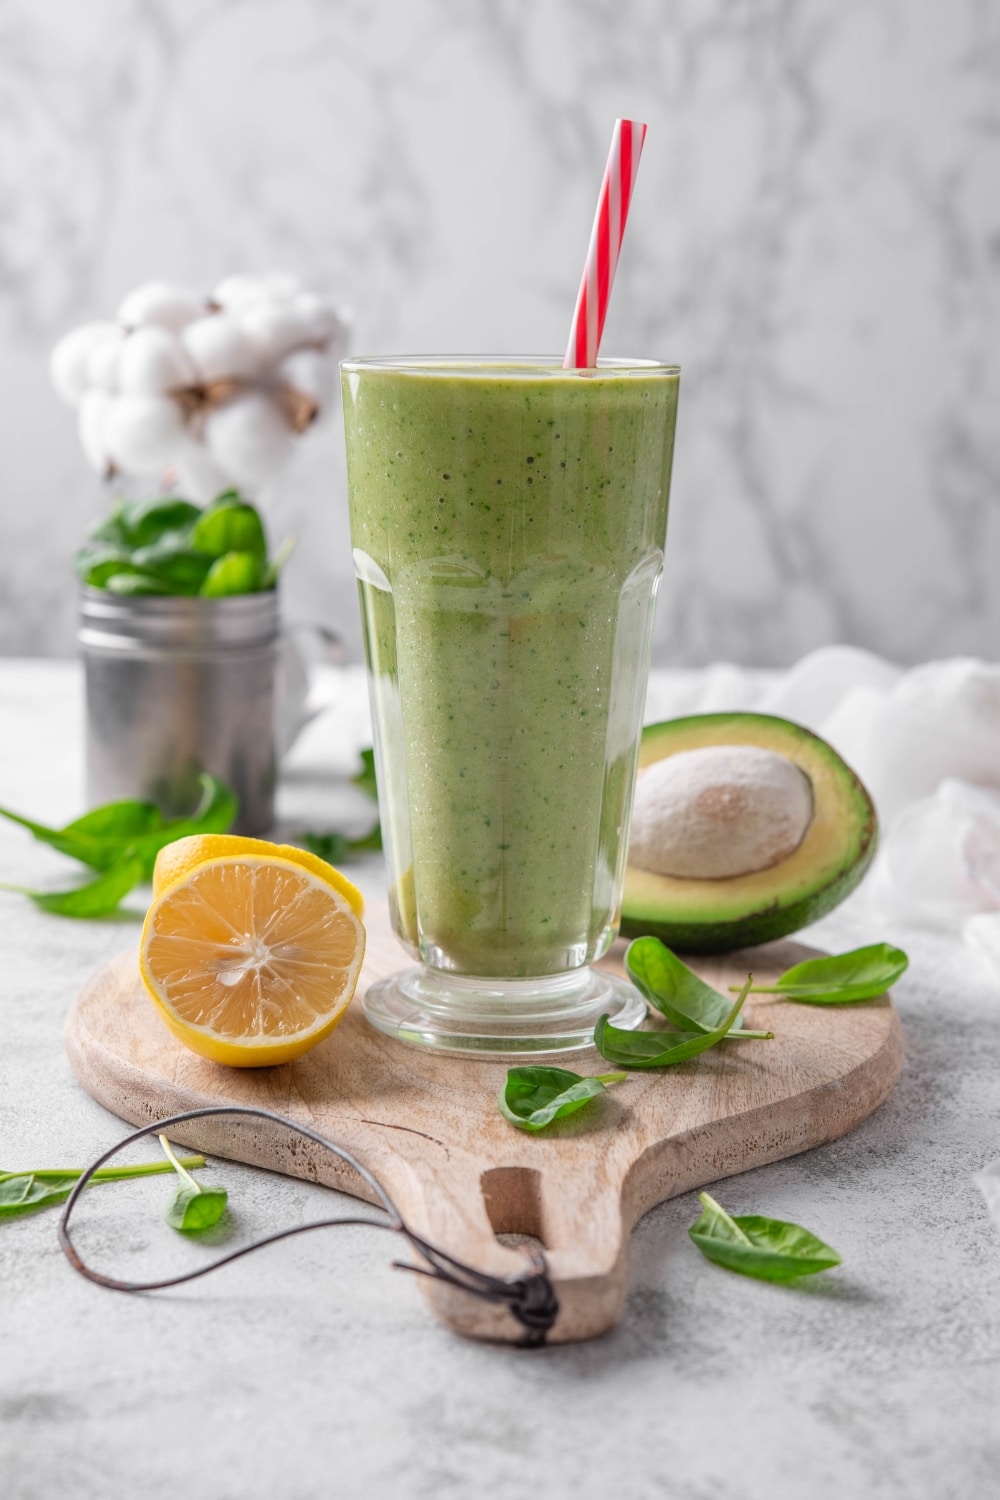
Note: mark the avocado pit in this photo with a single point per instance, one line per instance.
(719, 812)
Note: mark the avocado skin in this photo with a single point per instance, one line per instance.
(756, 927)
(774, 920)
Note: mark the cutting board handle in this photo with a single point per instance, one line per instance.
(491, 1221)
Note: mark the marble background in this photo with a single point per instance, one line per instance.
(815, 238)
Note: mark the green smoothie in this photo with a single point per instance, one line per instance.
(508, 521)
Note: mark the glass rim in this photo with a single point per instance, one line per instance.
(510, 365)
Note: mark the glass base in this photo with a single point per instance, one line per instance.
(501, 1018)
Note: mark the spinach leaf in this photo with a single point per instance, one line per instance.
(174, 547)
(98, 898)
(25, 1192)
(535, 1096)
(233, 573)
(96, 839)
(661, 1049)
(104, 834)
(687, 1002)
(215, 813)
(136, 584)
(95, 566)
(113, 823)
(365, 778)
(141, 522)
(192, 1207)
(861, 974)
(335, 848)
(230, 527)
(121, 840)
(767, 1249)
(171, 560)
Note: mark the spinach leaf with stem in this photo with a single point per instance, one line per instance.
(98, 838)
(25, 1192)
(121, 840)
(98, 898)
(533, 1097)
(842, 978)
(662, 1049)
(753, 1245)
(192, 1207)
(273, 570)
(686, 1001)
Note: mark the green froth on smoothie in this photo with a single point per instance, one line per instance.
(509, 534)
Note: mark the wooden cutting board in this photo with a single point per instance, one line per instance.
(429, 1127)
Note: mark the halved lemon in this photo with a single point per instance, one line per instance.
(251, 957)
(184, 855)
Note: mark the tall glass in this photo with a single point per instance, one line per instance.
(508, 521)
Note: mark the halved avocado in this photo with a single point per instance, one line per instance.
(717, 915)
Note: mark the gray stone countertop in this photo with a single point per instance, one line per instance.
(312, 1369)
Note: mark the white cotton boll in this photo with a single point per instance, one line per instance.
(273, 328)
(144, 433)
(104, 359)
(198, 476)
(158, 304)
(70, 359)
(153, 362)
(310, 371)
(236, 292)
(249, 439)
(92, 423)
(322, 322)
(219, 348)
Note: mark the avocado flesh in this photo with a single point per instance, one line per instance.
(715, 916)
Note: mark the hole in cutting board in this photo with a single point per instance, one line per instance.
(513, 1199)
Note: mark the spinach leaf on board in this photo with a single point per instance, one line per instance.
(662, 1049)
(687, 1002)
(535, 1096)
(25, 1192)
(861, 974)
(191, 1207)
(767, 1249)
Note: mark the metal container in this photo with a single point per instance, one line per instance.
(178, 686)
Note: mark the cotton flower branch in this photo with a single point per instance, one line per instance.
(203, 392)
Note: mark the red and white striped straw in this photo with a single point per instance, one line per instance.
(605, 244)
